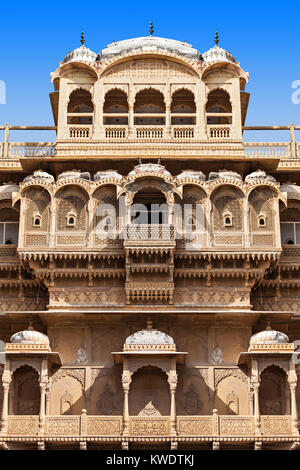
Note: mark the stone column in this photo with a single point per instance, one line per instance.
(168, 121)
(172, 379)
(98, 99)
(256, 408)
(42, 408)
(294, 412)
(200, 99)
(131, 120)
(4, 414)
(126, 381)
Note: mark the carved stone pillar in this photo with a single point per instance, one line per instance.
(131, 121)
(126, 381)
(48, 397)
(294, 412)
(256, 408)
(168, 121)
(42, 408)
(4, 414)
(172, 379)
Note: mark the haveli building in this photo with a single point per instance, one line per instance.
(154, 255)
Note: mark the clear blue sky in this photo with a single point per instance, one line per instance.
(262, 35)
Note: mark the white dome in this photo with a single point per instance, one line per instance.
(217, 54)
(269, 336)
(29, 336)
(81, 54)
(148, 44)
(149, 338)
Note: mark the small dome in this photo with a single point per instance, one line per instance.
(259, 175)
(224, 174)
(39, 175)
(81, 54)
(269, 336)
(105, 174)
(191, 174)
(69, 175)
(149, 338)
(149, 168)
(217, 54)
(148, 44)
(30, 336)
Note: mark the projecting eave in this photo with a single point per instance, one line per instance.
(232, 67)
(66, 67)
(121, 355)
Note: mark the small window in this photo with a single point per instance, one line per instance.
(37, 220)
(262, 222)
(227, 220)
(71, 220)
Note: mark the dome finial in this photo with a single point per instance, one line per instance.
(216, 38)
(82, 40)
(151, 29)
(268, 327)
(30, 327)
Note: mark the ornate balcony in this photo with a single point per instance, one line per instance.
(110, 428)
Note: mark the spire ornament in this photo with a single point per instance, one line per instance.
(151, 29)
(82, 40)
(216, 38)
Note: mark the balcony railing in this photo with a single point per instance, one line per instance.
(149, 232)
(149, 132)
(183, 132)
(74, 426)
(116, 132)
(269, 149)
(219, 131)
(79, 131)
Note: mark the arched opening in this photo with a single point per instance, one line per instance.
(218, 113)
(149, 207)
(115, 109)
(274, 394)
(80, 114)
(25, 391)
(9, 226)
(149, 108)
(183, 108)
(290, 225)
(149, 393)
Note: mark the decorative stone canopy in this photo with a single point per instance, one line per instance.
(149, 339)
(39, 175)
(259, 175)
(27, 340)
(224, 174)
(107, 174)
(148, 44)
(149, 168)
(191, 174)
(73, 174)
